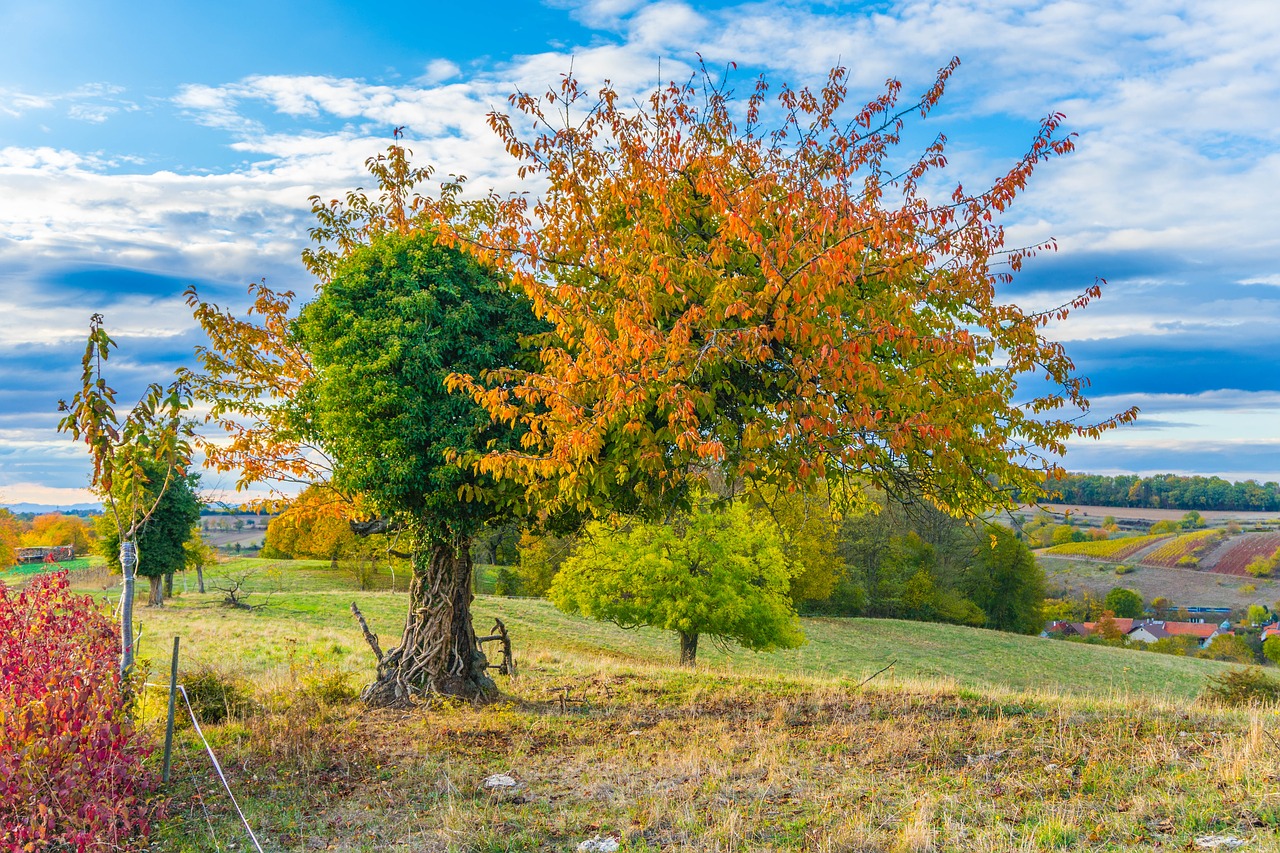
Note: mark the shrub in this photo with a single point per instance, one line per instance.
(71, 773)
(1249, 686)
(216, 695)
(1126, 569)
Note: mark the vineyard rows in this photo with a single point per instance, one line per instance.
(1106, 549)
(1185, 548)
(1244, 550)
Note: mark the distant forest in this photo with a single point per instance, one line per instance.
(1168, 491)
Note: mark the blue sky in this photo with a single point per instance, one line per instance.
(150, 145)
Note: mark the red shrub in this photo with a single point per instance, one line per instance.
(70, 759)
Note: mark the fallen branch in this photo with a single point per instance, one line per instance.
(874, 674)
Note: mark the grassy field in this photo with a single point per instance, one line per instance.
(971, 740)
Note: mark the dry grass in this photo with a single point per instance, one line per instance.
(666, 760)
(746, 754)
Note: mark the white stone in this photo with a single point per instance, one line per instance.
(500, 782)
(598, 845)
(1217, 842)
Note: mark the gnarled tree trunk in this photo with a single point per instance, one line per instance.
(438, 652)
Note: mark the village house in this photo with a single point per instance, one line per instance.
(1149, 630)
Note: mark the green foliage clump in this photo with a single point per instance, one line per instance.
(720, 572)
(1228, 647)
(1004, 581)
(1271, 648)
(1124, 603)
(506, 582)
(1236, 687)
(397, 318)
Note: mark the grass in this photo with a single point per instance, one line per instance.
(973, 740)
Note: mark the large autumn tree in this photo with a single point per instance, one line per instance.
(394, 320)
(762, 292)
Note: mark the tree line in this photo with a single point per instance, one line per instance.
(1168, 491)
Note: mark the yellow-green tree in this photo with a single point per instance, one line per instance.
(721, 573)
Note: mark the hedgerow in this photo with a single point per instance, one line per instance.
(71, 775)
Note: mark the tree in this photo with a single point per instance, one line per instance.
(199, 554)
(54, 528)
(765, 306)
(1125, 603)
(1005, 581)
(1228, 647)
(135, 460)
(10, 538)
(716, 572)
(1271, 648)
(394, 320)
(161, 540)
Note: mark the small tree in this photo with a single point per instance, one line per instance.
(721, 573)
(135, 460)
(1125, 603)
(163, 538)
(199, 554)
(1228, 647)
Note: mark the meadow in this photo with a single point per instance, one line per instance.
(968, 740)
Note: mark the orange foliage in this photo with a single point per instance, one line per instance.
(775, 305)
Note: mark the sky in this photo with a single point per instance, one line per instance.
(149, 146)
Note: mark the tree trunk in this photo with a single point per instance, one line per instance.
(156, 598)
(438, 652)
(168, 585)
(200, 578)
(128, 562)
(688, 649)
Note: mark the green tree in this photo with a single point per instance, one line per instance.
(161, 540)
(1228, 647)
(200, 554)
(1005, 581)
(1258, 614)
(1125, 603)
(1271, 648)
(541, 555)
(393, 321)
(722, 572)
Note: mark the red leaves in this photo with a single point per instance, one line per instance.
(70, 761)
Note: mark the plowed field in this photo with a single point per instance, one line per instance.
(1233, 556)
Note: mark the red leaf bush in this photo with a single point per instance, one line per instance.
(71, 775)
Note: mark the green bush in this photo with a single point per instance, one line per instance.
(1228, 647)
(1242, 687)
(506, 582)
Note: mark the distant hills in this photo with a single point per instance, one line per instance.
(70, 509)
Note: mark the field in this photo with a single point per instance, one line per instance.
(1106, 549)
(969, 740)
(1233, 556)
(1184, 550)
(1154, 515)
(1193, 587)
